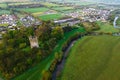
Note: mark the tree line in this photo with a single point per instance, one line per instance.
(15, 53)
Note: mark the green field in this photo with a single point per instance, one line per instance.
(3, 5)
(50, 17)
(50, 4)
(35, 73)
(62, 8)
(34, 10)
(94, 58)
(106, 27)
(4, 12)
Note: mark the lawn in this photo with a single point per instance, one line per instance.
(106, 27)
(34, 10)
(50, 17)
(93, 58)
(35, 73)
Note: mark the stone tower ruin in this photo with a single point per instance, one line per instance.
(33, 42)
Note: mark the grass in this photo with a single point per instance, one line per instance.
(34, 10)
(3, 5)
(38, 13)
(93, 58)
(50, 4)
(62, 8)
(106, 27)
(35, 73)
(118, 22)
(4, 25)
(4, 12)
(50, 17)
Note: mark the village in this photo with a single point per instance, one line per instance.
(10, 22)
(91, 14)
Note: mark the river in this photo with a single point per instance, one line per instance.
(114, 23)
(61, 65)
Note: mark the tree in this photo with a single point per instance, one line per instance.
(22, 45)
(57, 33)
(46, 75)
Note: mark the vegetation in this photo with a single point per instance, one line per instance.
(4, 12)
(90, 26)
(3, 5)
(34, 10)
(50, 4)
(50, 17)
(37, 71)
(62, 8)
(93, 58)
(15, 53)
(118, 22)
(106, 27)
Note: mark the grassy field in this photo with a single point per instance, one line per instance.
(35, 73)
(50, 17)
(3, 5)
(4, 12)
(38, 13)
(62, 8)
(34, 10)
(106, 27)
(94, 58)
(50, 4)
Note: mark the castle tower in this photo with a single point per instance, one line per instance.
(33, 42)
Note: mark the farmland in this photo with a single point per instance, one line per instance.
(50, 4)
(4, 12)
(106, 27)
(50, 17)
(34, 10)
(3, 5)
(93, 58)
(62, 8)
(36, 72)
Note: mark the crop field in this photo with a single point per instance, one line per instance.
(4, 12)
(62, 8)
(34, 10)
(106, 27)
(50, 17)
(93, 58)
(35, 73)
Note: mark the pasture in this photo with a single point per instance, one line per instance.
(62, 8)
(4, 12)
(50, 17)
(50, 4)
(34, 10)
(93, 58)
(106, 27)
(3, 5)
